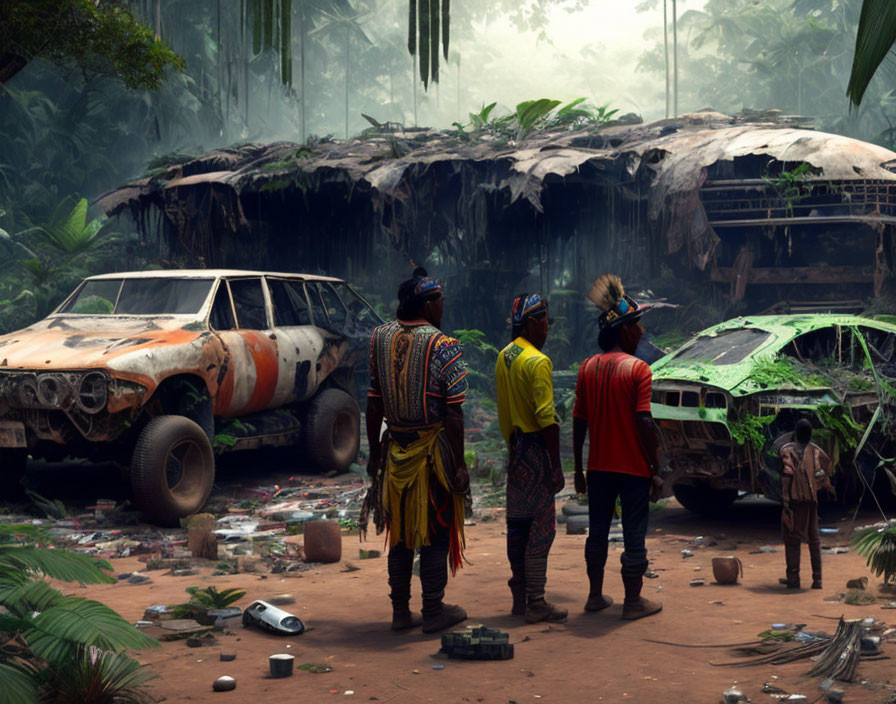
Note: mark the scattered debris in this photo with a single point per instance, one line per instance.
(477, 643)
(767, 549)
(697, 582)
(859, 583)
(685, 553)
(859, 597)
(224, 684)
(733, 695)
(270, 618)
(315, 669)
(281, 665)
(281, 599)
(373, 554)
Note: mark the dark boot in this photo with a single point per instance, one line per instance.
(596, 599)
(517, 535)
(792, 557)
(542, 610)
(815, 557)
(636, 606)
(401, 567)
(518, 590)
(437, 616)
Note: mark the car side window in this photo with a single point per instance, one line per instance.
(248, 300)
(222, 310)
(290, 303)
(334, 305)
(317, 306)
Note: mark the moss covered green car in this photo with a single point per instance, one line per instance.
(727, 399)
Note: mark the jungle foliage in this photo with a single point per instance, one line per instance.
(100, 38)
(792, 55)
(52, 643)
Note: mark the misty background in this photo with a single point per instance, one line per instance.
(68, 135)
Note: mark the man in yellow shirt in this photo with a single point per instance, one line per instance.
(534, 473)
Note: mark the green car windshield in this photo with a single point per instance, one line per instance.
(726, 347)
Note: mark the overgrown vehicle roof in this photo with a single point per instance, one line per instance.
(733, 373)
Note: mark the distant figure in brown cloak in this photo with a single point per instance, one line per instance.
(806, 469)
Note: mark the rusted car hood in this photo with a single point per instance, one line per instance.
(88, 342)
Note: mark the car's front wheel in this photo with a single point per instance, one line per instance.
(700, 498)
(13, 463)
(332, 433)
(172, 470)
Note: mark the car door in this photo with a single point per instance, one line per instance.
(240, 315)
(300, 343)
(332, 319)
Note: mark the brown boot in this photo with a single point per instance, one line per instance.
(449, 616)
(792, 556)
(542, 610)
(636, 606)
(596, 599)
(401, 621)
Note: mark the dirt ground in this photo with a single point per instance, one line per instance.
(592, 657)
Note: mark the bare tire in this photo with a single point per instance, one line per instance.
(332, 433)
(172, 470)
(13, 463)
(703, 499)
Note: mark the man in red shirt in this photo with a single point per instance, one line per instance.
(613, 408)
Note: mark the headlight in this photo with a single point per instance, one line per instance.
(54, 390)
(28, 393)
(93, 393)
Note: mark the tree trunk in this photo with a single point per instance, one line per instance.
(675, 53)
(347, 37)
(666, 50)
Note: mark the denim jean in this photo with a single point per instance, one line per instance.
(633, 492)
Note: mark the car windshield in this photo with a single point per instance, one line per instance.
(727, 347)
(143, 296)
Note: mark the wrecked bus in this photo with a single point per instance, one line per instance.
(725, 400)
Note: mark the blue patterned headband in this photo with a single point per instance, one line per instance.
(525, 306)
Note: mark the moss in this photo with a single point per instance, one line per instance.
(750, 429)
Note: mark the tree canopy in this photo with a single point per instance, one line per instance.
(100, 37)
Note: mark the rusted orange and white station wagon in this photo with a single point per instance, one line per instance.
(161, 370)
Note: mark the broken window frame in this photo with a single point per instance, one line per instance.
(222, 284)
(286, 281)
(268, 312)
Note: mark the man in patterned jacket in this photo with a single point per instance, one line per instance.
(418, 383)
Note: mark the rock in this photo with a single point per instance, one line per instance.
(281, 599)
(687, 553)
(577, 524)
(228, 657)
(373, 554)
(698, 582)
(224, 684)
(574, 508)
(349, 567)
(201, 539)
(139, 579)
(858, 583)
(323, 541)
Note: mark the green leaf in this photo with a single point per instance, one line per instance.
(874, 40)
(58, 564)
(75, 621)
(101, 677)
(22, 599)
(19, 687)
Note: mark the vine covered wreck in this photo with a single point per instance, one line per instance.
(752, 211)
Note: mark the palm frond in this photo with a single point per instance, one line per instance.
(58, 564)
(97, 676)
(19, 687)
(874, 40)
(76, 621)
(22, 599)
(878, 547)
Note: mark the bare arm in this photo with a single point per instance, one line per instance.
(579, 433)
(650, 447)
(649, 441)
(454, 432)
(374, 423)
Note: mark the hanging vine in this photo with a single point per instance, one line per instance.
(428, 27)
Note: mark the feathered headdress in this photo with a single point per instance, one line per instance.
(608, 294)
